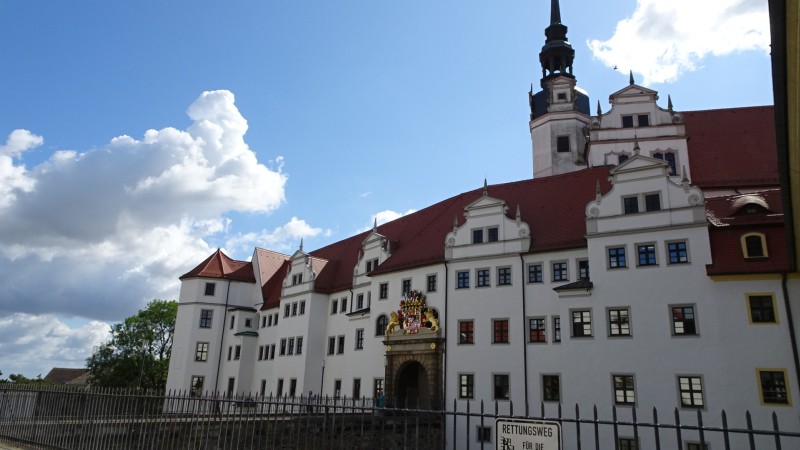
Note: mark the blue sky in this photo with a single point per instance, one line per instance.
(343, 111)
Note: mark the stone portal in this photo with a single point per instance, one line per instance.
(414, 370)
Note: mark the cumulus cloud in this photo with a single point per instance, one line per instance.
(384, 216)
(98, 233)
(663, 40)
(33, 344)
(284, 238)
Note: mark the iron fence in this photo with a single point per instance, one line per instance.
(58, 417)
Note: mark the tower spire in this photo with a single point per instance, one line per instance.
(557, 53)
(555, 12)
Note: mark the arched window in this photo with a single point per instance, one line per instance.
(669, 157)
(754, 245)
(380, 324)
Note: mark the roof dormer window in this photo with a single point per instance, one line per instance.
(754, 245)
(477, 236)
(640, 120)
(372, 264)
(297, 279)
(492, 234)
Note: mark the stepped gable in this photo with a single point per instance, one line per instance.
(272, 267)
(733, 147)
(733, 216)
(554, 208)
(219, 265)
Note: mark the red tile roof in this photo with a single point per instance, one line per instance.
(729, 222)
(732, 147)
(552, 206)
(219, 265)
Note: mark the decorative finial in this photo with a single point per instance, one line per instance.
(599, 111)
(375, 225)
(555, 12)
(455, 223)
(630, 80)
(597, 190)
(636, 146)
(485, 188)
(301, 244)
(669, 103)
(519, 214)
(684, 177)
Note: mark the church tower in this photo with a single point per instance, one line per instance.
(560, 111)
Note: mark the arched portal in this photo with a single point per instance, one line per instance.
(412, 387)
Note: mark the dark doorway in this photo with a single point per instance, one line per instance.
(412, 387)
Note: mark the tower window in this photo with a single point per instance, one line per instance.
(561, 96)
(562, 144)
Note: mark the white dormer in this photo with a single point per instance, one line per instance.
(487, 231)
(644, 196)
(375, 249)
(301, 274)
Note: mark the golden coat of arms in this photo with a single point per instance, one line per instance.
(413, 315)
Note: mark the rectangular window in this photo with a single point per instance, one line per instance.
(562, 144)
(463, 279)
(631, 204)
(628, 444)
(504, 276)
(551, 388)
(466, 332)
(294, 308)
(340, 347)
(773, 388)
(300, 345)
(334, 306)
(406, 286)
(492, 234)
(483, 434)
(337, 388)
(677, 252)
(201, 352)
(583, 269)
(291, 346)
(431, 283)
(691, 391)
(383, 291)
(231, 385)
(762, 308)
(466, 385)
(275, 319)
(302, 307)
(536, 330)
(624, 392)
(260, 352)
(501, 384)
(477, 236)
(616, 258)
(263, 389)
(248, 323)
(356, 387)
(237, 353)
(283, 347)
(230, 352)
(343, 307)
(556, 329)
(272, 351)
(331, 345)
(360, 339)
(197, 385)
(269, 322)
(535, 273)
(280, 387)
(754, 246)
(482, 277)
(644, 120)
(359, 302)
(263, 321)
(652, 202)
(500, 331)
(206, 315)
(560, 271)
(627, 121)
(647, 254)
(287, 309)
(683, 321)
(377, 388)
(233, 321)
(619, 322)
(581, 323)
(210, 288)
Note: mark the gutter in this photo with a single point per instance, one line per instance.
(524, 341)
(447, 325)
(790, 324)
(222, 336)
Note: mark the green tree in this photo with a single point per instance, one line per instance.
(137, 355)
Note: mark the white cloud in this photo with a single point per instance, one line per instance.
(97, 234)
(663, 40)
(285, 238)
(34, 344)
(384, 216)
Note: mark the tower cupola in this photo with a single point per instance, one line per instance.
(557, 54)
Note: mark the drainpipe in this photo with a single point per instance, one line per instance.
(447, 325)
(790, 323)
(350, 303)
(222, 336)
(524, 340)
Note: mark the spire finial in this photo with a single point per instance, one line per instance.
(669, 103)
(555, 12)
(301, 244)
(485, 188)
(599, 111)
(519, 214)
(630, 77)
(455, 223)
(598, 193)
(375, 225)
(636, 148)
(684, 177)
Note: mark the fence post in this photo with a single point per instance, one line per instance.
(578, 425)
(750, 431)
(678, 427)
(655, 429)
(777, 431)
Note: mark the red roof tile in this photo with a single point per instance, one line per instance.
(219, 265)
(732, 147)
(552, 206)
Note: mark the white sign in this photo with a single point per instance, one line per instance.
(523, 434)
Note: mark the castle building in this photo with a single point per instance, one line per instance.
(644, 265)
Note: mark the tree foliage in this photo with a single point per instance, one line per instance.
(19, 378)
(137, 355)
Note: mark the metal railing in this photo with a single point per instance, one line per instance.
(60, 417)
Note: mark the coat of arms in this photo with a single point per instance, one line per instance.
(413, 315)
